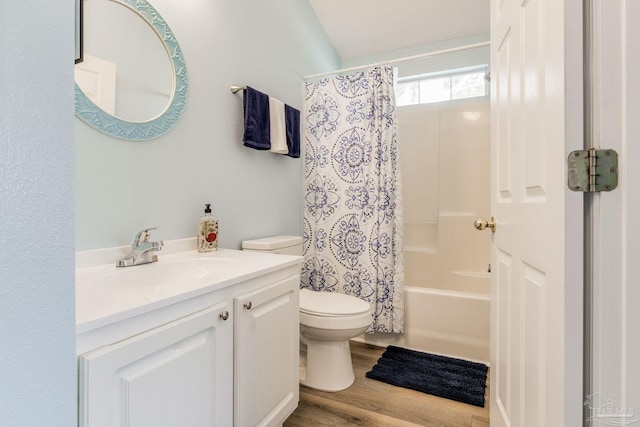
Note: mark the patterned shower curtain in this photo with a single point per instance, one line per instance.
(352, 200)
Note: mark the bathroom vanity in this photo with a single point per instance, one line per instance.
(191, 340)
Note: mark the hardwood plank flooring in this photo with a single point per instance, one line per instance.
(376, 404)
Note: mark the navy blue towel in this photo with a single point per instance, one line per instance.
(257, 129)
(292, 118)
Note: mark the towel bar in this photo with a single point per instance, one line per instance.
(236, 89)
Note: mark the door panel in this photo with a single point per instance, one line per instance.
(501, 363)
(533, 325)
(532, 247)
(501, 116)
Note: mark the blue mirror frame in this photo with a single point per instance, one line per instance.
(104, 122)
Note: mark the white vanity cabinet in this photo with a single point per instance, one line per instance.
(177, 374)
(266, 370)
(223, 355)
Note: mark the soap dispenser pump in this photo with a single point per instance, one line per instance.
(208, 235)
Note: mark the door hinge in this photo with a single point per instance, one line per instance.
(593, 170)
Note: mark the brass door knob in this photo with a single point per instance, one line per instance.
(481, 224)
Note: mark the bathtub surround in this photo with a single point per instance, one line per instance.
(352, 193)
(445, 148)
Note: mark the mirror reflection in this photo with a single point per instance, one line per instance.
(127, 71)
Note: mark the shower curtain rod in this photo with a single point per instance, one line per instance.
(406, 58)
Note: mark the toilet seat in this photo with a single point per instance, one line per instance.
(331, 304)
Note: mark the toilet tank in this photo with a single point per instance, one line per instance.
(288, 245)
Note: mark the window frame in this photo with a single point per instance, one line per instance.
(450, 74)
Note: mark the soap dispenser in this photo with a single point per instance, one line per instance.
(208, 235)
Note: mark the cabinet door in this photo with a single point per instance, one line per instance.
(178, 374)
(266, 354)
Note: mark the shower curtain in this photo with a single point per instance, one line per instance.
(352, 193)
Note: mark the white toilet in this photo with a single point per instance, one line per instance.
(328, 321)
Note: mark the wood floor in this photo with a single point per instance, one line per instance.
(373, 403)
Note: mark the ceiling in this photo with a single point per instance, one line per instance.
(366, 27)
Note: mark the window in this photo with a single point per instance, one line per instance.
(442, 86)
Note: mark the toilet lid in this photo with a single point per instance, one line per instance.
(331, 303)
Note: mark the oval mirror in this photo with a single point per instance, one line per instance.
(132, 82)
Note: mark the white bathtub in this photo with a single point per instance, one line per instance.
(446, 322)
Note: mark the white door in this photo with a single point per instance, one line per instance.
(536, 316)
(614, 395)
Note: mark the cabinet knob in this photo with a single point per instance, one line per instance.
(248, 305)
(224, 315)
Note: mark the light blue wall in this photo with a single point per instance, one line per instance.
(37, 328)
(123, 186)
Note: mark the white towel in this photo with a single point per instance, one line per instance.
(278, 127)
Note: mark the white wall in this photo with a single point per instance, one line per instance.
(123, 186)
(37, 328)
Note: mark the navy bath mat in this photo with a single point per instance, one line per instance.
(454, 379)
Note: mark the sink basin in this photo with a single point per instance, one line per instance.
(183, 273)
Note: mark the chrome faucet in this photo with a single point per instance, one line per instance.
(141, 250)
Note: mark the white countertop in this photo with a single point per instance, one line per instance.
(106, 294)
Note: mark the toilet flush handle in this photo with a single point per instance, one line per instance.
(248, 305)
